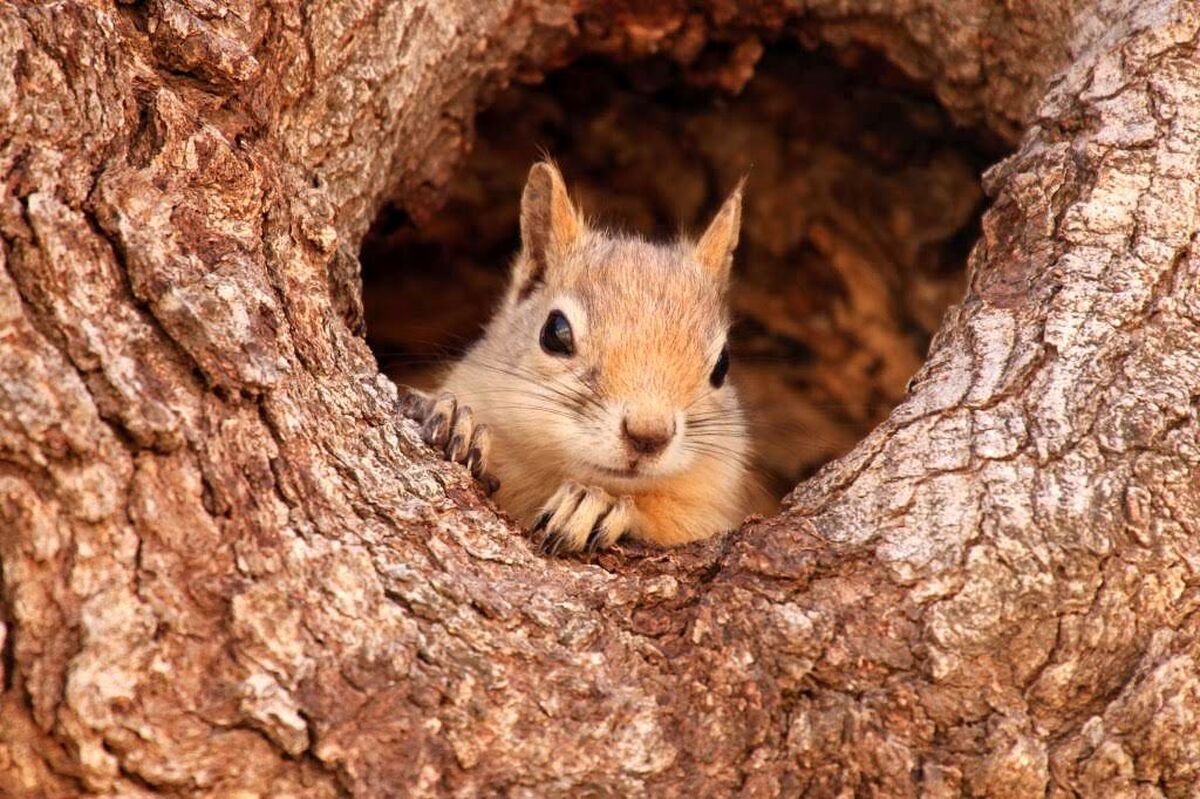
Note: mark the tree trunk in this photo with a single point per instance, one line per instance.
(227, 566)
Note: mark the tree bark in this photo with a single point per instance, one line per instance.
(227, 566)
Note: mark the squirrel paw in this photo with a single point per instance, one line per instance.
(582, 518)
(451, 429)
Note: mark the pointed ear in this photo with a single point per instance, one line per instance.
(714, 252)
(549, 225)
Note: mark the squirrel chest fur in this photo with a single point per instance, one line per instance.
(597, 404)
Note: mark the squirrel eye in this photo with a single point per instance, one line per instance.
(717, 378)
(556, 337)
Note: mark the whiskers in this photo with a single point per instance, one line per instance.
(721, 435)
(536, 392)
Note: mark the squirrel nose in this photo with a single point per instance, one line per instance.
(647, 436)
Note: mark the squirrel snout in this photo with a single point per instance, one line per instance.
(647, 436)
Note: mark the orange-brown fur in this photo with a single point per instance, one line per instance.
(648, 322)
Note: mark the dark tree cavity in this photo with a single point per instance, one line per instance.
(228, 569)
(862, 202)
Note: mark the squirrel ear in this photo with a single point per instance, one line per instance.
(549, 224)
(714, 252)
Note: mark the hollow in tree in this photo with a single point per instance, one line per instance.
(228, 566)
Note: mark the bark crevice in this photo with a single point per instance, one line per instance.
(255, 578)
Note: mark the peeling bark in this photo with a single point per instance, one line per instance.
(227, 566)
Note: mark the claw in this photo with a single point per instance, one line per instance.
(450, 427)
(593, 539)
(413, 404)
(434, 430)
(580, 518)
(543, 541)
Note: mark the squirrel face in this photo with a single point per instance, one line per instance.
(613, 348)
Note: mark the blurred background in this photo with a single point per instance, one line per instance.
(862, 201)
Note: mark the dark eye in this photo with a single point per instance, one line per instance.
(717, 378)
(556, 337)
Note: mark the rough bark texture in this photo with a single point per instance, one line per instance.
(226, 566)
(863, 201)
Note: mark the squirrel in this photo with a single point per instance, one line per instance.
(597, 403)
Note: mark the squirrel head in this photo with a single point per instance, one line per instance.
(617, 346)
